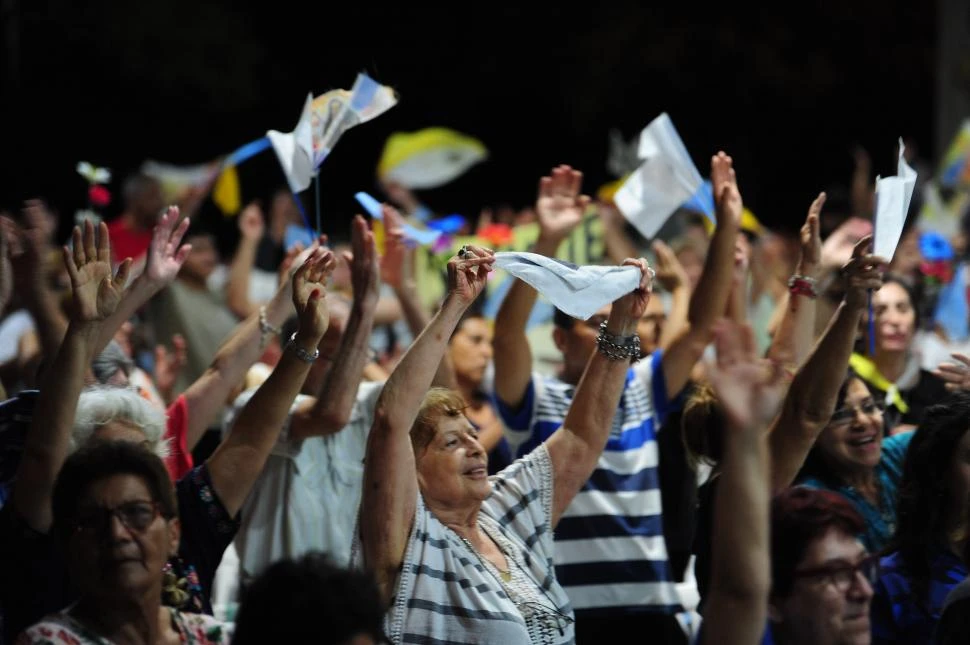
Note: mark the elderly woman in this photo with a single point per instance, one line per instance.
(210, 495)
(116, 522)
(430, 513)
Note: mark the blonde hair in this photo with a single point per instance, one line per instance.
(438, 402)
(702, 427)
(100, 405)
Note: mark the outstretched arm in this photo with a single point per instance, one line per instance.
(672, 276)
(331, 409)
(390, 481)
(576, 447)
(750, 391)
(709, 300)
(814, 390)
(96, 296)
(251, 229)
(239, 459)
(560, 209)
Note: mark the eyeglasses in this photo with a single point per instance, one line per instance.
(843, 575)
(135, 516)
(847, 415)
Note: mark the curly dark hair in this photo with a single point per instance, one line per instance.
(98, 459)
(325, 604)
(924, 497)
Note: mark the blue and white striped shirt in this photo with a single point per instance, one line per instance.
(610, 552)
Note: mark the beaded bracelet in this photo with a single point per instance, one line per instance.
(618, 348)
(802, 285)
(265, 328)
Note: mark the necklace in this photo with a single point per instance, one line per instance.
(506, 576)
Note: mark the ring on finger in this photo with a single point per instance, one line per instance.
(463, 252)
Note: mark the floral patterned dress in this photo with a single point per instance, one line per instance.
(63, 629)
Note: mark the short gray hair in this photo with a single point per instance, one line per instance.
(110, 361)
(100, 405)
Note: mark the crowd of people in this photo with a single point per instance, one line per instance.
(751, 445)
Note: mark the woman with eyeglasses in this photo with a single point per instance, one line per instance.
(926, 554)
(458, 555)
(115, 518)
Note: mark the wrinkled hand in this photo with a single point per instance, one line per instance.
(251, 222)
(310, 293)
(364, 270)
(165, 256)
(727, 197)
(862, 273)
(956, 375)
(810, 238)
(96, 293)
(169, 364)
(629, 308)
(560, 206)
(396, 261)
(468, 275)
(750, 389)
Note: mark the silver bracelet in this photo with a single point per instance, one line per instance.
(618, 348)
(301, 353)
(265, 328)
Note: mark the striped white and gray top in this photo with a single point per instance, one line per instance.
(446, 593)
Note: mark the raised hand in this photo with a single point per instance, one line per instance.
(310, 292)
(837, 247)
(670, 272)
(96, 293)
(631, 306)
(169, 364)
(295, 258)
(468, 273)
(810, 239)
(957, 374)
(27, 246)
(862, 273)
(364, 270)
(560, 206)
(750, 389)
(727, 197)
(397, 254)
(251, 223)
(165, 256)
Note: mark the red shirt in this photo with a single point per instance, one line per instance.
(127, 242)
(179, 460)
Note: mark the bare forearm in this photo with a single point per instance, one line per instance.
(140, 292)
(336, 399)
(677, 317)
(49, 320)
(794, 336)
(239, 459)
(47, 442)
(237, 288)
(709, 299)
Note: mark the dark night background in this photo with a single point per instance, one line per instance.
(787, 91)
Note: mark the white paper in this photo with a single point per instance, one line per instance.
(664, 181)
(295, 149)
(579, 291)
(893, 196)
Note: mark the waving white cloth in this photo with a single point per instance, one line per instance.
(579, 291)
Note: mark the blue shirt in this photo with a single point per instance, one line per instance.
(610, 551)
(896, 615)
(880, 520)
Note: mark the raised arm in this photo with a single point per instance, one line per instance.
(239, 459)
(390, 481)
(96, 296)
(796, 328)
(814, 390)
(560, 209)
(331, 409)
(251, 229)
(672, 276)
(750, 391)
(576, 447)
(709, 300)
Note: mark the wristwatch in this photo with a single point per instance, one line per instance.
(301, 353)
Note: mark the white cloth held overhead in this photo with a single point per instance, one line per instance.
(893, 196)
(579, 291)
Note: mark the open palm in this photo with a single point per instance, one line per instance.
(560, 206)
(96, 293)
(165, 256)
(310, 291)
(727, 197)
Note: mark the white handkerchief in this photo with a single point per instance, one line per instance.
(579, 291)
(893, 196)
